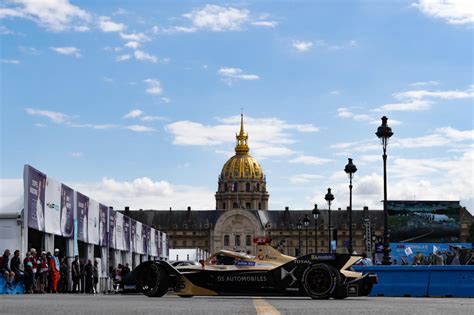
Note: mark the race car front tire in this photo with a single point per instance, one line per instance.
(320, 280)
(154, 280)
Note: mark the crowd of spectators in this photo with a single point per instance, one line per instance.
(49, 273)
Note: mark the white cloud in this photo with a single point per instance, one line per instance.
(107, 25)
(271, 24)
(94, 126)
(425, 83)
(153, 86)
(455, 134)
(180, 29)
(54, 15)
(302, 45)
(166, 100)
(410, 106)
(143, 56)
(346, 113)
(29, 50)
(10, 61)
(55, 117)
(149, 118)
(132, 44)
(267, 136)
(334, 92)
(446, 95)
(146, 193)
(69, 51)
(310, 160)
(452, 11)
(136, 37)
(140, 128)
(133, 114)
(217, 18)
(230, 75)
(304, 178)
(5, 30)
(155, 29)
(123, 57)
(76, 154)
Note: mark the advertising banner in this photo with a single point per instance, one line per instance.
(133, 235)
(152, 242)
(112, 216)
(157, 243)
(146, 238)
(52, 210)
(35, 183)
(424, 221)
(126, 233)
(139, 239)
(164, 246)
(103, 214)
(82, 208)
(119, 230)
(430, 253)
(93, 223)
(67, 211)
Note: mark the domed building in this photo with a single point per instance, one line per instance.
(242, 183)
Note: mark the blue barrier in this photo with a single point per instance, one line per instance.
(422, 281)
(451, 281)
(18, 287)
(399, 280)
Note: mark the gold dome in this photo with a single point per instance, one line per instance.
(242, 165)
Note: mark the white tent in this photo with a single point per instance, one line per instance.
(11, 225)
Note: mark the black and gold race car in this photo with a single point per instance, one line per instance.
(269, 273)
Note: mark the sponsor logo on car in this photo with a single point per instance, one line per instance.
(245, 263)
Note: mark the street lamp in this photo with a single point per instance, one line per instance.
(298, 226)
(315, 216)
(306, 224)
(329, 198)
(350, 170)
(384, 132)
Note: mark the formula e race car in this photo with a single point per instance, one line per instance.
(269, 273)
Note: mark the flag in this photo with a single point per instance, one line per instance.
(408, 251)
(435, 249)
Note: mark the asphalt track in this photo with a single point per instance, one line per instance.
(171, 304)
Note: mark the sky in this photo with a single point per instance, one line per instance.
(137, 103)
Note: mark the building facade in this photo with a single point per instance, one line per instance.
(242, 214)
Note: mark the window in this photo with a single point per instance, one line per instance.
(248, 240)
(226, 240)
(225, 187)
(235, 186)
(247, 205)
(259, 206)
(258, 187)
(174, 245)
(184, 243)
(223, 205)
(194, 244)
(247, 187)
(235, 205)
(237, 240)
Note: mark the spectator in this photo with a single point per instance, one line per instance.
(64, 276)
(49, 275)
(15, 266)
(95, 271)
(366, 261)
(29, 274)
(42, 269)
(456, 255)
(418, 259)
(5, 270)
(54, 270)
(83, 274)
(118, 273)
(76, 274)
(125, 270)
(34, 258)
(89, 277)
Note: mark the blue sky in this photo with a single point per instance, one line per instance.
(137, 102)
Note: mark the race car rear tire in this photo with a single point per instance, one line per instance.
(320, 280)
(154, 280)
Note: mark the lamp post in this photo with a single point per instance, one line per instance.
(315, 216)
(298, 226)
(306, 224)
(350, 170)
(329, 198)
(384, 132)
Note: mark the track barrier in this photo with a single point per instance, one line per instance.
(422, 281)
(18, 287)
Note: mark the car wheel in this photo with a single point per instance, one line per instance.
(320, 280)
(154, 280)
(186, 296)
